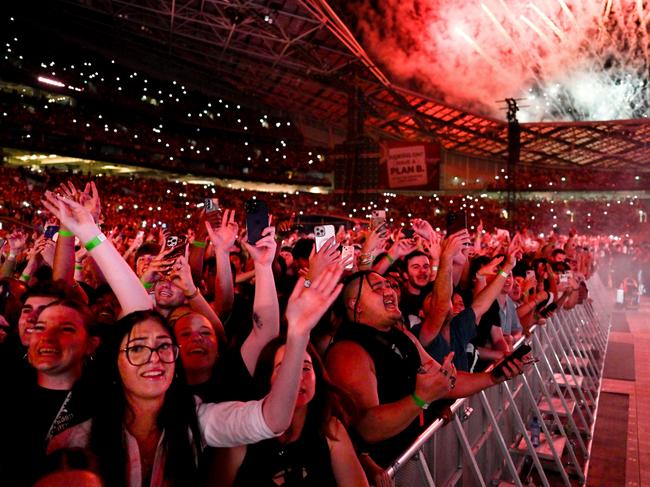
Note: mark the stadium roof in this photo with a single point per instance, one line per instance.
(300, 57)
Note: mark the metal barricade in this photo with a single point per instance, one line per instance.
(488, 442)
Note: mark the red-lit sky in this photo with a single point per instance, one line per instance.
(570, 59)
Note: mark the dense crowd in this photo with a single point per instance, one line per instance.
(159, 333)
(152, 356)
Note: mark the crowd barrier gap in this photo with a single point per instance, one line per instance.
(488, 441)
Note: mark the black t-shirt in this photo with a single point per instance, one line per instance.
(31, 416)
(488, 320)
(411, 304)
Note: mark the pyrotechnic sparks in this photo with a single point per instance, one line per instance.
(568, 59)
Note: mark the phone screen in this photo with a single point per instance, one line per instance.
(257, 219)
(456, 221)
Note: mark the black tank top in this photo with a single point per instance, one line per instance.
(396, 360)
(302, 463)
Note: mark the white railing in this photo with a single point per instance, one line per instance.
(488, 440)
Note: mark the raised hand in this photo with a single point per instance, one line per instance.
(286, 226)
(34, 252)
(307, 305)
(17, 241)
(491, 267)
(454, 244)
(424, 229)
(181, 276)
(224, 237)
(47, 252)
(263, 251)
(71, 214)
(402, 247)
(511, 260)
(436, 381)
(327, 255)
(156, 267)
(375, 241)
(88, 198)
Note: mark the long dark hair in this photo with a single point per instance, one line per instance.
(329, 401)
(177, 418)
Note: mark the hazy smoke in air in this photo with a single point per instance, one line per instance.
(570, 59)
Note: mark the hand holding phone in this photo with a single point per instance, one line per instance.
(519, 353)
(322, 233)
(456, 221)
(257, 219)
(377, 218)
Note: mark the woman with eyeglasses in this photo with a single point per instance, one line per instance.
(149, 430)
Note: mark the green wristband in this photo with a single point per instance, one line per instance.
(503, 273)
(26, 277)
(421, 403)
(65, 233)
(390, 259)
(78, 267)
(95, 241)
(147, 285)
(198, 244)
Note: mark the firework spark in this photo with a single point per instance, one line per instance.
(570, 59)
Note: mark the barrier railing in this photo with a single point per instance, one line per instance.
(488, 441)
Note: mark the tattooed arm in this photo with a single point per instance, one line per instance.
(266, 310)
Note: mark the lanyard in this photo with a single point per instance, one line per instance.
(62, 410)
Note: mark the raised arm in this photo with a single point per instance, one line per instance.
(266, 309)
(199, 244)
(181, 276)
(223, 238)
(398, 250)
(305, 307)
(17, 241)
(486, 297)
(373, 245)
(443, 287)
(121, 278)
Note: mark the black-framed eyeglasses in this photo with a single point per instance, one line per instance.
(141, 354)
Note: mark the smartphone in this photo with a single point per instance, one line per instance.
(175, 244)
(564, 277)
(322, 234)
(518, 353)
(377, 218)
(50, 231)
(548, 310)
(257, 219)
(408, 232)
(140, 234)
(347, 256)
(211, 205)
(456, 221)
